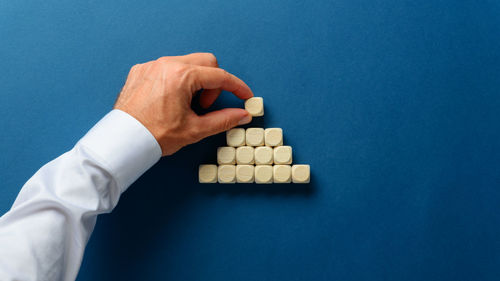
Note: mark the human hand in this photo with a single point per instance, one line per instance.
(159, 94)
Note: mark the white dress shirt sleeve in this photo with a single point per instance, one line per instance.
(43, 235)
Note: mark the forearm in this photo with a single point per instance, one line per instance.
(44, 235)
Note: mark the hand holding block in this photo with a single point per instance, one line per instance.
(255, 136)
(227, 174)
(235, 137)
(245, 155)
(255, 106)
(207, 173)
(273, 136)
(226, 155)
(245, 173)
(263, 174)
(263, 155)
(282, 173)
(301, 173)
(283, 155)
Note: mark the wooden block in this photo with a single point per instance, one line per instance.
(301, 173)
(235, 137)
(207, 173)
(245, 173)
(263, 155)
(282, 155)
(282, 173)
(263, 174)
(227, 174)
(226, 155)
(255, 106)
(273, 136)
(255, 136)
(245, 155)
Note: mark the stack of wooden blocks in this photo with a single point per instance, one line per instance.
(254, 155)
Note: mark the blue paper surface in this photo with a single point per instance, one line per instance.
(394, 104)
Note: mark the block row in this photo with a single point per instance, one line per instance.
(254, 137)
(261, 155)
(262, 174)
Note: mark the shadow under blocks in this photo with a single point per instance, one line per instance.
(277, 189)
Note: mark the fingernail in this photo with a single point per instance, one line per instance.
(245, 120)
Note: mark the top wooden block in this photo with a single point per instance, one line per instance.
(255, 106)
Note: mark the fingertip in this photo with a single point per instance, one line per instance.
(237, 113)
(247, 118)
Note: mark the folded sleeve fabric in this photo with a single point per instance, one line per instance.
(44, 234)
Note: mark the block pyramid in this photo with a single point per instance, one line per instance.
(254, 155)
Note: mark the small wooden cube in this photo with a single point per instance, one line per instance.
(273, 136)
(282, 155)
(263, 174)
(255, 136)
(301, 173)
(207, 173)
(245, 155)
(235, 137)
(263, 155)
(227, 174)
(245, 173)
(226, 155)
(255, 106)
(282, 174)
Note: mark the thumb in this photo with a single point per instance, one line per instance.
(222, 120)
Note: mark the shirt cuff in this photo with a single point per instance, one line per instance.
(126, 147)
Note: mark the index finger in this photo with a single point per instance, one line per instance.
(217, 78)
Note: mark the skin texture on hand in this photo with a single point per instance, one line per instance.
(159, 94)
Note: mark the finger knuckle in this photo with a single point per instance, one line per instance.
(163, 59)
(225, 76)
(135, 67)
(178, 70)
(212, 59)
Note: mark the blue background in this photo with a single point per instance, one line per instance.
(395, 104)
